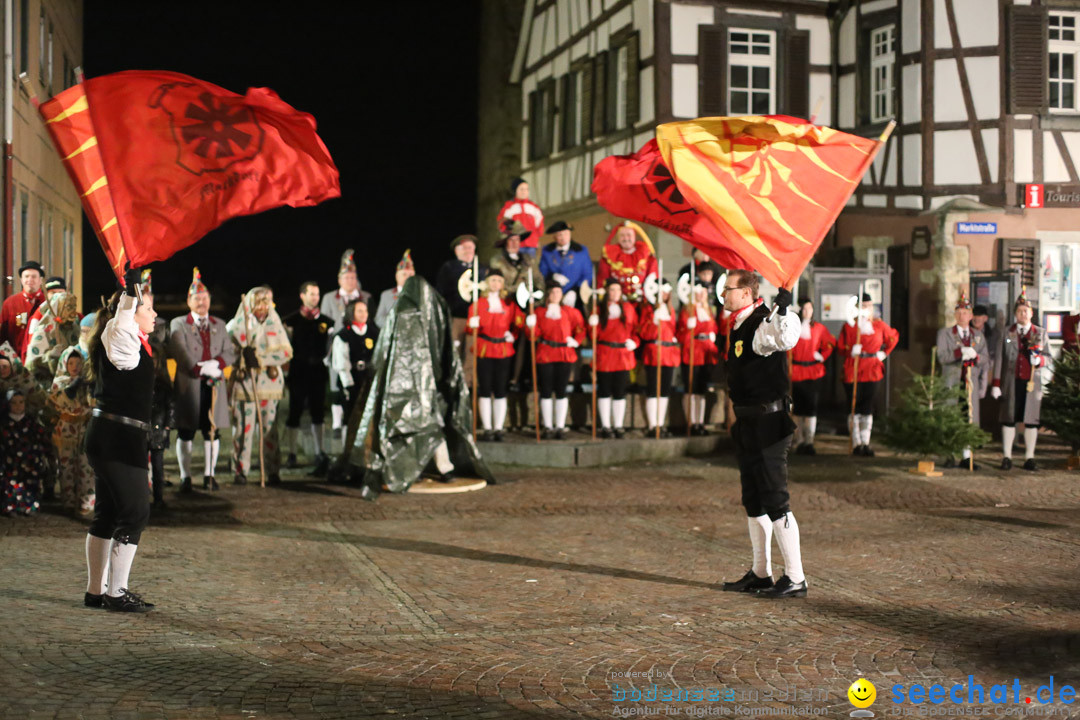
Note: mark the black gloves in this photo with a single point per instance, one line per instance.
(783, 300)
(251, 361)
(132, 278)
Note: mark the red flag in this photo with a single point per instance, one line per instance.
(173, 157)
(640, 187)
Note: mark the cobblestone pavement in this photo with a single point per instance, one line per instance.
(536, 597)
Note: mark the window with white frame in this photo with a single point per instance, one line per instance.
(882, 64)
(751, 72)
(1063, 48)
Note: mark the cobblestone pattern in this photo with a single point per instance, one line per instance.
(526, 599)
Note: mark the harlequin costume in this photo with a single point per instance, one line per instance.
(700, 323)
(70, 397)
(558, 331)
(874, 340)
(657, 329)
(24, 449)
(630, 269)
(497, 327)
(616, 341)
(808, 357)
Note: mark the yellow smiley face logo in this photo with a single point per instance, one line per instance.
(738, 348)
(862, 693)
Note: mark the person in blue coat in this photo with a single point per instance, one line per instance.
(565, 263)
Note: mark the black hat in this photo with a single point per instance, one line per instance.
(612, 280)
(803, 300)
(511, 228)
(496, 273)
(464, 238)
(980, 310)
(557, 226)
(31, 265)
(55, 283)
(866, 297)
(514, 184)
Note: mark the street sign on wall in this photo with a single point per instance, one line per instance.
(976, 228)
(1034, 196)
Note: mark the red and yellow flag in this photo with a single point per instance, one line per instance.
(771, 185)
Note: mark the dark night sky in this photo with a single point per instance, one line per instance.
(393, 89)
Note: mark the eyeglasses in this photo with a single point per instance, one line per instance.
(729, 289)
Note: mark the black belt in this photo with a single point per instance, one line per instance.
(661, 344)
(494, 340)
(868, 355)
(702, 337)
(549, 343)
(605, 343)
(121, 419)
(805, 362)
(749, 411)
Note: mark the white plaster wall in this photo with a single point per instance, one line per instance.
(684, 90)
(990, 142)
(911, 202)
(911, 17)
(1023, 166)
(596, 9)
(948, 100)
(621, 19)
(583, 13)
(647, 112)
(846, 41)
(642, 138)
(954, 158)
(874, 201)
(875, 5)
(820, 90)
(819, 37)
(976, 22)
(1072, 143)
(983, 76)
(911, 89)
(543, 72)
(1054, 169)
(600, 38)
(562, 13)
(549, 30)
(684, 26)
(643, 21)
(846, 104)
(536, 41)
(912, 174)
(556, 188)
(942, 38)
(560, 65)
(580, 49)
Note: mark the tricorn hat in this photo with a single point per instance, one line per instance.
(511, 228)
(405, 263)
(196, 283)
(558, 226)
(347, 262)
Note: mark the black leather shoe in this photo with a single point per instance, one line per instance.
(560, 434)
(1006, 463)
(210, 482)
(446, 477)
(498, 436)
(620, 433)
(1029, 464)
(606, 433)
(857, 452)
(665, 433)
(810, 449)
(783, 588)
(949, 463)
(128, 602)
(290, 462)
(185, 485)
(547, 434)
(749, 583)
(92, 601)
(867, 451)
(322, 466)
(239, 479)
(273, 479)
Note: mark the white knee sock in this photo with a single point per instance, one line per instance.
(1031, 435)
(317, 436)
(561, 407)
(337, 412)
(545, 411)
(799, 422)
(210, 455)
(618, 412)
(854, 430)
(661, 416)
(867, 424)
(699, 412)
(442, 458)
(761, 541)
(290, 439)
(965, 453)
(121, 555)
(603, 410)
(183, 457)
(787, 537)
(650, 411)
(484, 404)
(499, 412)
(811, 428)
(1008, 437)
(97, 562)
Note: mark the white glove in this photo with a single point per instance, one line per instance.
(880, 355)
(856, 350)
(995, 392)
(968, 353)
(210, 369)
(509, 336)
(560, 279)
(712, 337)
(530, 321)
(571, 342)
(594, 320)
(569, 298)
(630, 345)
(691, 323)
(819, 357)
(474, 322)
(1036, 361)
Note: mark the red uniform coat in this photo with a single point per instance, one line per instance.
(492, 342)
(705, 350)
(551, 335)
(617, 332)
(870, 368)
(669, 344)
(803, 365)
(15, 319)
(627, 267)
(528, 214)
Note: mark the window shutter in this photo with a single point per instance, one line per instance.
(1022, 255)
(549, 117)
(534, 124)
(599, 98)
(586, 101)
(611, 89)
(633, 80)
(712, 70)
(568, 110)
(1027, 76)
(797, 74)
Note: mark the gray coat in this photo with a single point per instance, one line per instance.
(186, 348)
(952, 367)
(386, 304)
(1005, 374)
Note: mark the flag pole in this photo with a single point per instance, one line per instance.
(659, 343)
(594, 293)
(532, 357)
(690, 381)
(971, 413)
(476, 337)
(855, 369)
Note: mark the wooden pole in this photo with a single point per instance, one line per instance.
(855, 369)
(594, 294)
(693, 332)
(532, 353)
(659, 341)
(971, 413)
(476, 337)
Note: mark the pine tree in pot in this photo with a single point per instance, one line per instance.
(929, 421)
(1061, 403)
